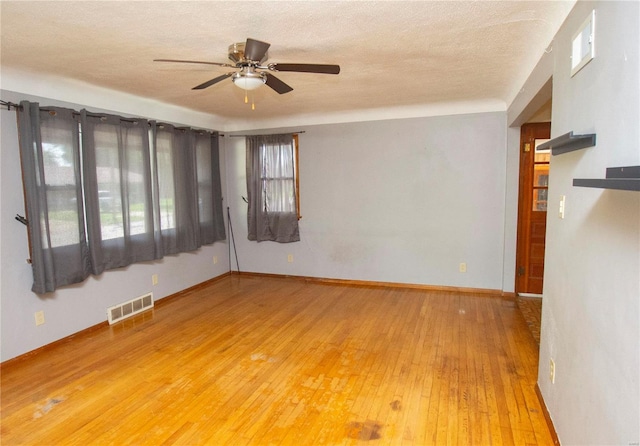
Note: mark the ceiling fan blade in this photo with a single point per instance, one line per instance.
(195, 61)
(277, 84)
(305, 68)
(212, 81)
(255, 50)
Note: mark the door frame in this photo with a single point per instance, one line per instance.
(525, 201)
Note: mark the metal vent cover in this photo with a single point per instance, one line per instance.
(129, 308)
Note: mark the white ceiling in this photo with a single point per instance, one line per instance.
(392, 54)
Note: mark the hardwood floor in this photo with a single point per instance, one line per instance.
(255, 360)
(531, 308)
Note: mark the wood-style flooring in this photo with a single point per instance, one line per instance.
(531, 308)
(261, 361)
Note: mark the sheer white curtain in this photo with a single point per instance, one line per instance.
(272, 212)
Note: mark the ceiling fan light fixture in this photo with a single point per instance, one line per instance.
(248, 80)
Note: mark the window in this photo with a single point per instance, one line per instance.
(103, 192)
(272, 187)
(61, 180)
(166, 187)
(117, 190)
(116, 153)
(279, 179)
(582, 44)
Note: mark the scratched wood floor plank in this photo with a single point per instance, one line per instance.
(264, 360)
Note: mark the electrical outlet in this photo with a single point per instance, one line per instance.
(290, 258)
(463, 267)
(39, 317)
(552, 371)
(215, 260)
(154, 279)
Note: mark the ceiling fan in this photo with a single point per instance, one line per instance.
(249, 58)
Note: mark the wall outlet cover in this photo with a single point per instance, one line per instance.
(39, 317)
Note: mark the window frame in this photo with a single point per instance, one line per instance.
(296, 173)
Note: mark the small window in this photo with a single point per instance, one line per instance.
(280, 177)
(272, 187)
(582, 45)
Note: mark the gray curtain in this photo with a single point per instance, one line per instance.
(118, 194)
(209, 188)
(50, 155)
(272, 213)
(189, 191)
(133, 191)
(176, 180)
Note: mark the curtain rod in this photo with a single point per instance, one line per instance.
(73, 112)
(9, 105)
(244, 136)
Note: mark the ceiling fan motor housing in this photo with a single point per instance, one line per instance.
(236, 54)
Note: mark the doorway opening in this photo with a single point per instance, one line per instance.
(532, 217)
(532, 208)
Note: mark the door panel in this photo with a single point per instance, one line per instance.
(532, 208)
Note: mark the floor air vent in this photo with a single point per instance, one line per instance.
(128, 309)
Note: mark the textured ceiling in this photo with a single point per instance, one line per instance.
(391, 53)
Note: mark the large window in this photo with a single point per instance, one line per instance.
(104, 191)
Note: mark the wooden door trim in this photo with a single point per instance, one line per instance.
(525, 200)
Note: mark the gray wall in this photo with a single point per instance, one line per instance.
(403, 200)
(74, 308)
(397, 200)
(591, 309)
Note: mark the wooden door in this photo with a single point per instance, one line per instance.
(532, 208)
